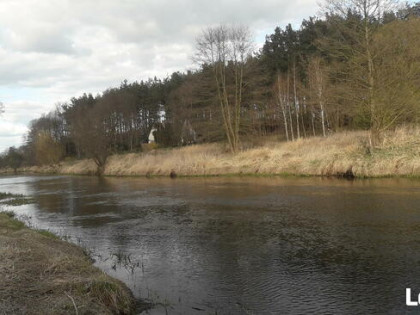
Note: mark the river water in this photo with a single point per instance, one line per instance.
(241, 245)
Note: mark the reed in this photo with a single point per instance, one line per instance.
(398, 155)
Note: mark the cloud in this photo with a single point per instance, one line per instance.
(62, 48)
(14, 121)
(11, 134)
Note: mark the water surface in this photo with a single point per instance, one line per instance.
(241, 245)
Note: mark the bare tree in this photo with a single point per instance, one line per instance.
(289, 106)
(226, 49)
(93, 129)
(296, 100)
(359, 50)
(397, 71)
(282, 99)
(317, 87)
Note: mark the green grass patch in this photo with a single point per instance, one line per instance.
(18, 201)
(315, 162)
(10, 223)
(4, 195)
(48, 234)
(15, 199)
(109, 292)
(9, 213)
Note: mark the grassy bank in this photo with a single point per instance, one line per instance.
(399, 155)
(41, 274)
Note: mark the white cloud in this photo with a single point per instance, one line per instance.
(62, 48)
(10, 134)
(15, 119)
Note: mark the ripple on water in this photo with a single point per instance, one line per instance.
(260, 246)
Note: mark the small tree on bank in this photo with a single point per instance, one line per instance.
(47, 150)
(14, 158)
(92, 131)
(318, 82)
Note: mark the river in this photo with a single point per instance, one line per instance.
(241, 245)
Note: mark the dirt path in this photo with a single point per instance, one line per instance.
(41, 274)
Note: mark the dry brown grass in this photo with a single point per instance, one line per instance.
(40, 274)
(399, 155)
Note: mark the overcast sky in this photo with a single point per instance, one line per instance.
(52, 50)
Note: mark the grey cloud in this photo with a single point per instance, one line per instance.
(17, 114)
(43, 40)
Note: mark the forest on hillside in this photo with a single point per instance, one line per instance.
(356, 67)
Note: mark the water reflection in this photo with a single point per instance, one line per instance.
(242, 245)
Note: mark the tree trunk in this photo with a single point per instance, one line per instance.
(322, 119)
(296, 101)
(100, 165)
(282, 101)
(288, 107)
(313, 122)
(303, 126)
(285, 122)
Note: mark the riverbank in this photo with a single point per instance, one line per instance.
(336, 155)
(41, 274)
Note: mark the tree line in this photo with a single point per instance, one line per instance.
(357, 67)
